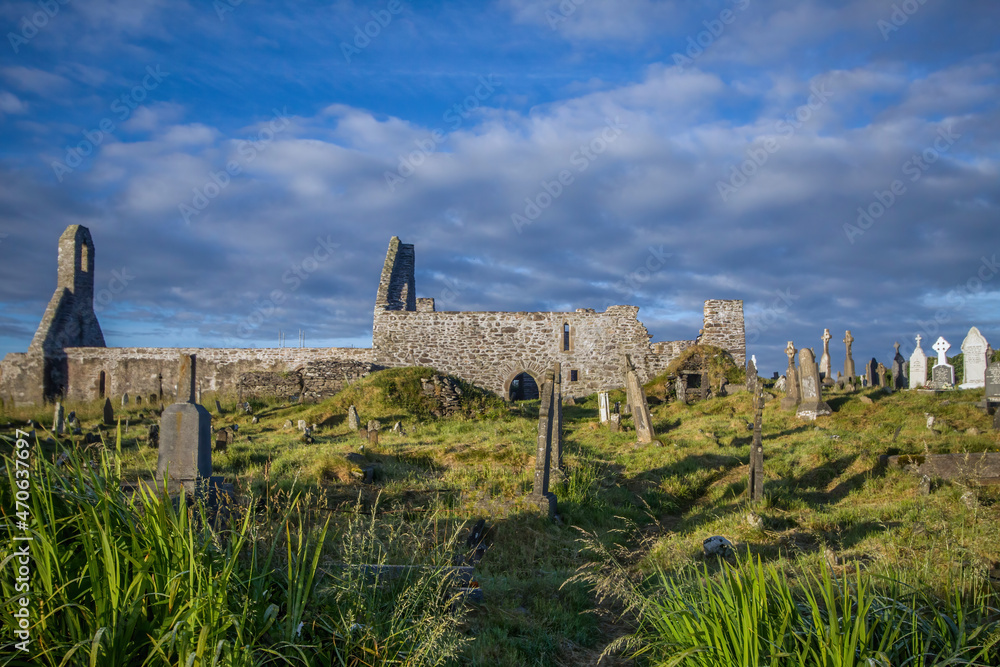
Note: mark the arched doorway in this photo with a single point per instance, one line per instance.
(523, 388)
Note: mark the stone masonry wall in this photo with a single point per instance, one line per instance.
(153, 371)
(724, 328)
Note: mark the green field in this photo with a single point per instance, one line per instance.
(844, 562)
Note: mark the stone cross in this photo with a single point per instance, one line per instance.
(899, 380)
(849, 361)
(918, 366)
(540, 494)
(941, 347)
(186, 379)
(825, 367)
(792, 393)
(974, 351)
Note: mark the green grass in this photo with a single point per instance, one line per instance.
(827, 500)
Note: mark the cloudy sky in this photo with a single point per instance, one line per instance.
(833, 164)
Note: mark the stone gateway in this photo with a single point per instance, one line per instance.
(498, 351)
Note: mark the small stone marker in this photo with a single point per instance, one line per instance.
(58, 421)
(849, 361)
(125, 400)
(756, 482)
(825, 367)
(780, 384)
(109, 413)
(899, 379)
(792, 392)
(603, 406)
(918, 366)
(302, 425)
(374, 425)
(751, 375)
(373, 437)
(637, 399)
(883, 377)
(223, 438)
(615, 422)
(943, 373)
(812, 404)
(974, 360)
(218, 406)
(352, 418)
(540, 494)
(398, 428)
(154, 435)
(185, 434)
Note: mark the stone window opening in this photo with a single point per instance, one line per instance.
(574, 376)
(101, 384)
(566, 341)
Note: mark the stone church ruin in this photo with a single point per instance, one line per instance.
(504, 352)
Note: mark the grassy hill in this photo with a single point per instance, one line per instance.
(831, 510)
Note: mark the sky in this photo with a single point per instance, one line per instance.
(242, 165)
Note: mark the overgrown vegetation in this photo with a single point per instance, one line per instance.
(835, 522)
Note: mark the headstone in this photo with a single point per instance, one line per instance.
(792, 393)
(637, 399)
(780, 384)
(615, 422)
(756, 480)
(871, 373)
(992, 382)
(849, 361)
(109, 413)
(825, 367)
(883, 377)
(374, 425)
(125, 400)
(58, 421)
(603, 406)
(302, 425)
(185, 434)
(223, 438)
(899, 380)
(540, 494)
(154, 435)
(373, 437)
(681, 388)
(812, 404)
(352, 418)
(943, 373)
(398, 428)
(218, 406)
(918, 366)
(974, 360)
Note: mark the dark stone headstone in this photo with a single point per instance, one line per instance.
(993, 382)
(185, 455)
(871, 373)
(109, 412)
(899, 379)
(942, 375)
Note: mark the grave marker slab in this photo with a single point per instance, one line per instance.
(637, 399)
(943, 373)
(899, 379)
(992, 382)
(974, 350)
(812, 404)
(871, 373)
(352, 418)
(58, 420)
(918, 366)
(109, 413)
(185, 434)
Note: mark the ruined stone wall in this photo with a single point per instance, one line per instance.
(490, 348)
(21, 378)
(724, 328)
(316, 381)
(153, 371)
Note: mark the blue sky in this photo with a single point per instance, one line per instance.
(236, 150)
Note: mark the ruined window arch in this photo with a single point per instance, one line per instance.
(566, 340)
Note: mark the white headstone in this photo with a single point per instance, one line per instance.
(604, 406)
(943, 373)
(974, 355)
(918, 366)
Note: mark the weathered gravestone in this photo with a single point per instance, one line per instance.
(302, 425)
(825, 367)
(352, 418)
(640, 408)
(974, 360)
(603, 406)
(540, 494)
(756, 480)
(993, 382)
(849, 361)
(751, 375)
(153, 435)
(615, 422)
(223, 438)
(871, 373)
(185, 456)
(883, 377)
(943, 373)
(792, 394)
(918, 366)
(899, 380)
(812, 404)
(58, 420)
(109, 412)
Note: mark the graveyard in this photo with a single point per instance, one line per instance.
(414, 518)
